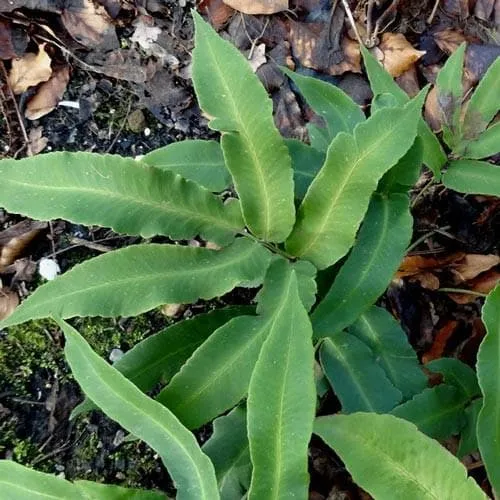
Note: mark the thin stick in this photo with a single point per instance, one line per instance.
(122, 126)
(462, 290)
(351, 21)
(433, 12)
(425, 236)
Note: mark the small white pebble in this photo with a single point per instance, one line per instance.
(147, 132)
(115, 355)
(48, 269)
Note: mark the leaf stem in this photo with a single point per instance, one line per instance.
(270, 246)
(462, 290)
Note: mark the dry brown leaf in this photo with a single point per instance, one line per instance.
(432, 110)
(310, 45)
(473, 265)
(30, 70)
(8, 302)
(258, 6)
(414, 264)
(484, 283)
(37, 141)
(15, 239)
(427, 280)
(90, 25)
(217, 12)
(397, 53)
(48, 95)
(449, 40)
(408, 81)
(440, 340)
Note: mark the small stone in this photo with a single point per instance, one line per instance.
(136, 121)
(48, 269)
(115, 355)
(147, 132)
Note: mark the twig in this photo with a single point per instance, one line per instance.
(18, 113)
(433, 12)
(422, 192)
(352, 22)
(462, 290)
(122, 126)
(425, 236)
(255, 40)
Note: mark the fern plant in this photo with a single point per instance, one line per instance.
(252, 369)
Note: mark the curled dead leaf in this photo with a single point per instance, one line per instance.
(217, 12)
(30, 70)
(473, 265)
(440, 340)
(449, 40)
(48, 95)
(258, 6)
(432, 110)
(37, 141)
(8, 302)
(397, 54)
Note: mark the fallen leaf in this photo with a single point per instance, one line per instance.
(258, 6)
(484, 283)
(48, 95)
(408, 81)
(8, 302)
(473, 265)
(172, 310)
(427, 280)
(397, 54)
(413, 264)
(484, 9)
(37, 141)
(432, 110)
(145, 33)
(449, 40)
(440, 340)
(459, 8)
(258, 57)
(90, 25)
(16, 238)
(30, 70)
(311, 47)
(217, 11)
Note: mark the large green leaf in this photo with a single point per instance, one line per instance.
(196, 160)
(159, 357)
(340, 112)
(380, 246)
(473, 176)
(390, 458)
(338, 198)
(138, 278)
(116, 192)
(484, 103)
(458, 374)
(255, 153)
(487, 144)
(488, 372)
(217, 375)
(20, 483)
(229, 451)
(437, 411)
(306, 163)
(190, 469)
(281, 402)
(382, 82)
(449, 95)
(389, 343)
(356, 377)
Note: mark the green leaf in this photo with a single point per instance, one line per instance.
(159, 357)
(229, 451)
(484, 103)
(231, 94)
(487, 144)
(116, 192)
(18, 482)
(340, 112)
(281, 403)
(380, 246)
(196, 160)
(389, 343)
(389, 458)
(338, 198)
(473, 176)
(217, 375)
(449, 95)
(190, 469)
(138, 278)
(306, 163)
(306, 274)
(468, 437)
(488, 372)
(405, 173)
(318, 137)
(438, 411)
(458, 374)
(382, 82)
(355, 376)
